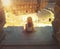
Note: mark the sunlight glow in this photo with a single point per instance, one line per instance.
(33, 16)
(6, 2)
(21, 20)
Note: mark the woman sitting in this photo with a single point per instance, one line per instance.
(29, 25)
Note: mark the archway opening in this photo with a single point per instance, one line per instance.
(17, 17)
(17, 14)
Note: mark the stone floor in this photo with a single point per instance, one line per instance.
(15, 35)
(30, 47)
(17, 39)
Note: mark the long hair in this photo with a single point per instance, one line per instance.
(29, 21)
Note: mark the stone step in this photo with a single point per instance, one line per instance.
(2, 36)
(30, 47)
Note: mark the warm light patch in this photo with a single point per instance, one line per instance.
(33, 16)
(6, 2)
(21, 20)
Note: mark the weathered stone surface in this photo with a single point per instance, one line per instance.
(2, 16)
(2, 21)
(58, 2)
(56, 22)
(57, 11)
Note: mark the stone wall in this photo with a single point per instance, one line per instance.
(2, 21)
(56, 22)
(2, 17)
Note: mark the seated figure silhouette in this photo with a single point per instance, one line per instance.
(29, 26)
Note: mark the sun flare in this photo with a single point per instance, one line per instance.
(6, 2)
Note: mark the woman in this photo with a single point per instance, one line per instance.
(29, 25)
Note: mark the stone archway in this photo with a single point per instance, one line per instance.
(55, 23)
